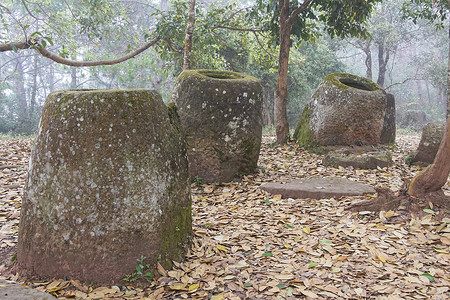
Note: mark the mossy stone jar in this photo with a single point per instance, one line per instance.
(344, 110)
(107, 184)
(221, 114)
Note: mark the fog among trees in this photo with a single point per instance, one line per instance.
(409, 59)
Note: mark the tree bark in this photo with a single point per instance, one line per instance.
(383, 59)
(433, 178)
(368, 60)
(281, 91)
(22, 104)
(188, 37)
(33, 102)
(267, 107)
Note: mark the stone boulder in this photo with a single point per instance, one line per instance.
(432, 135)
(413, 119)
(107, 184)
(344, 110)
(221, 114)
(367, 160)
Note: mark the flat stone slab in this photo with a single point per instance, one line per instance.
(368, 160)
(318, 188)
(14, 291)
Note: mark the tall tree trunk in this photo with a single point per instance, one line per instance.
(22, 104)
(188, 36)
(34, 88)
(281, 91)
(427, 86)
(267, 107)
(383, 59)
(368, 60)
(434, 177)
(73, 77)
(51, 78)
(420, 93)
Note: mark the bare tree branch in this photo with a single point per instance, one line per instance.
(235, 28)
(28, 10)
(46, 53)
(299, 9)
(262, 47)
(171, 46)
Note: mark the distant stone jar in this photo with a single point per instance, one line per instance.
(344, 110)
(221, 114)
(107, 184)
(430, 141)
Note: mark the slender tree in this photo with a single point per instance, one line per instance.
(303, 20)
(433, 178)
(188, 38)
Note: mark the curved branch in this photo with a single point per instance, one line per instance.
(14, 46)
(46, 53)
(262, 47)
(299, 9)
(171, 46)
(29, 12)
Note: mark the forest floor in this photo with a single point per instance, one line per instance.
(249, 244)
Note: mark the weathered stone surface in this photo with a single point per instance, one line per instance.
(368, 160)
(413, 119)
(221, 114)
(388, 132)
(14, 291)
(318, 188)
(431, 138)
(107, 183)
(344, 110)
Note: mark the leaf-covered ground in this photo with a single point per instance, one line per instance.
(252, 245)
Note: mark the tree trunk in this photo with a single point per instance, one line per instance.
(22, 104)
(73, 78)
(368, 61)
(188, 37)
(281, 91)
(434, 177)
(383, 59)
(420, 93)
(267, 107)
(34, 89)
(427, 86)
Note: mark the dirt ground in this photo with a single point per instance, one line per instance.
(249, 244)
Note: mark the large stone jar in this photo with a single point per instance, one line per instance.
(107, 184)
(346, 109)
(221, 114)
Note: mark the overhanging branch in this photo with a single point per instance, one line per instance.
(46, 53)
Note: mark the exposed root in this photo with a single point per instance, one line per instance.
(412, 206)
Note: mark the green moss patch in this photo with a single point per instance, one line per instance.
(303, 133)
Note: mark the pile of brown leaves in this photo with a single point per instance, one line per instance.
(252, 245)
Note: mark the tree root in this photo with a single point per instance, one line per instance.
(412, 206)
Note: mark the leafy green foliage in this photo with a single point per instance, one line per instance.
(432, 10)
(338, 18)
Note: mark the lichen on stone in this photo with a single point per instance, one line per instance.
(221, 115)
(109, 174)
